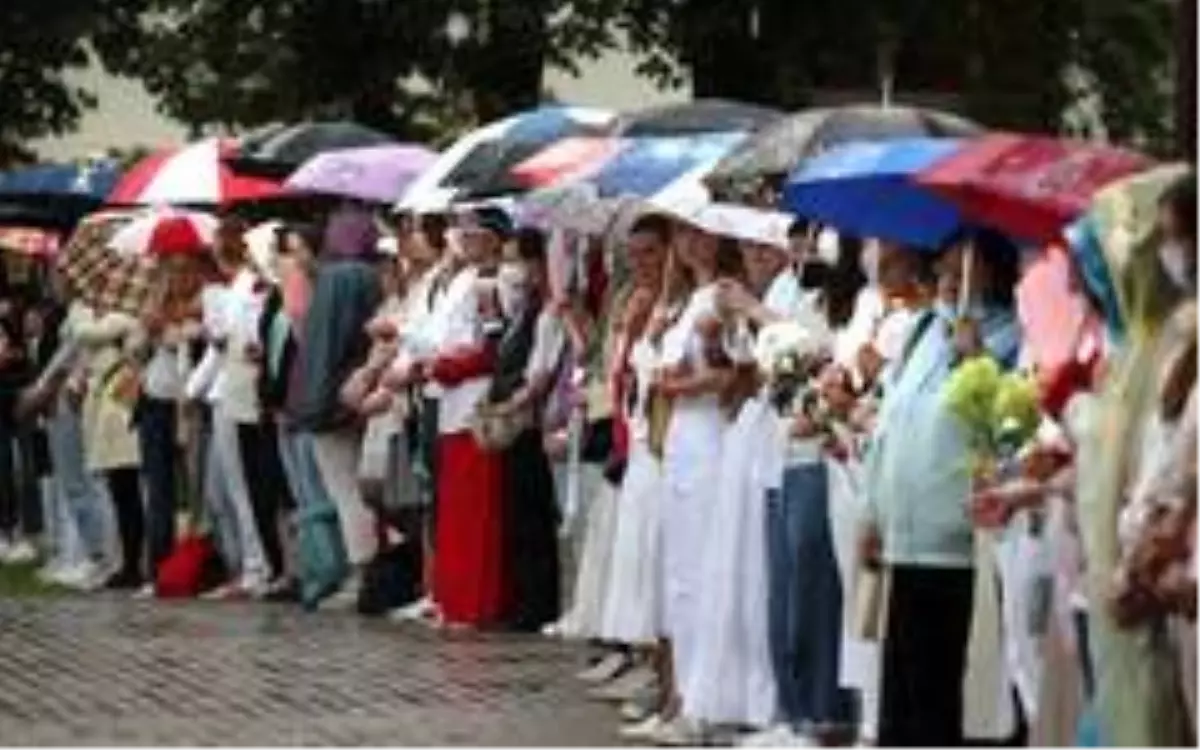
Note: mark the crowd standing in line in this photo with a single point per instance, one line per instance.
(426, 422)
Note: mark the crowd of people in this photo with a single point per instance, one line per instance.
(436, 420)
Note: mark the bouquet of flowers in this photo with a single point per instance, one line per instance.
(788, 356)
(999, 411)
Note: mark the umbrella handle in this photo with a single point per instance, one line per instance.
(965, 290)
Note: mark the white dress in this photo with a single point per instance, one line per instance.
(691, 473)
(632, 606)
(733, 680)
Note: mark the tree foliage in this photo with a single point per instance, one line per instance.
(40, 41)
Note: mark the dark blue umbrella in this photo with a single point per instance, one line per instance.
(866, 189)
(87, 181)
(60, 193)
(643, 166)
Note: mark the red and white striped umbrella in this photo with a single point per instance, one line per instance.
(195, 174)
(166, 232)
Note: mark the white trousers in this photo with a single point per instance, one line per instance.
(338, 455)
(234, 504)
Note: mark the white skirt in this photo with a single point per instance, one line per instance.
(691, 479)
(632, 612)
(733, 681)
(586, 615)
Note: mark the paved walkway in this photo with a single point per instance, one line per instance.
(104, 670)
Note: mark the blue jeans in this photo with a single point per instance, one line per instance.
(84, 494)
(805, 600)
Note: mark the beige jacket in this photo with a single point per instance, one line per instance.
(110, 441)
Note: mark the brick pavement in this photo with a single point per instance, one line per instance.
(105, 670)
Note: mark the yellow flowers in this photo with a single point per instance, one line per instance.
(999, 410)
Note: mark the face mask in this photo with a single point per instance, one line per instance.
(1180, 268)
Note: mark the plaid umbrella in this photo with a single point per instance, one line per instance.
(103, 278)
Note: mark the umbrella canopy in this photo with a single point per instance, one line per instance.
(484, 170)
(375, 174)
(88, 183)
(779, 148)
(699, 116)
(746, 223)
(166, 232)
(102, 277)
(1028, 186)
(866, 189)
(644, 166)
(278, 150)
(565, 160)
(194, 175)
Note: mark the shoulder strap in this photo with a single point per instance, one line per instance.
(918, 333)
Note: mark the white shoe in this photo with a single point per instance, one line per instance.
(605, 669)
(642, 731)
(678, 732)
(144, 593)
(341, 600)
(625, 687)
(639, 707)
(73, 576)
(255, 586)
(779, 735)
(20, 553)
(49, 572)
(88, 576)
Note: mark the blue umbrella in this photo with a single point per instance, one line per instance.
(88, 181)
(864, 189)
(644, 166)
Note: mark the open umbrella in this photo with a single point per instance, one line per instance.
(69, 190)
(166, 232)
(570, 158)
(485, 169)
(277, 151)
(780, 147)
(644, 166)
(866, 190)
(477, 164)
(1025, 185)
(104, 278)
(375, 174)
(698, 116)
(194, 175)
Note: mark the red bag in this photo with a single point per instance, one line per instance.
(181, 575)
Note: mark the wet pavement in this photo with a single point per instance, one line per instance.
(105, 670)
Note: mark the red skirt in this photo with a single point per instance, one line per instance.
(468, 579)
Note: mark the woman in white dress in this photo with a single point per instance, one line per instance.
(694, 371)
(733, 682)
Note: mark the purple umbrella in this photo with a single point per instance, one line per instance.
(377, 174)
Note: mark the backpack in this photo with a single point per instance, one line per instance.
(322, 554)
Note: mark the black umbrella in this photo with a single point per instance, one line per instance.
(699, 116)
(276, 151)
(778, 149)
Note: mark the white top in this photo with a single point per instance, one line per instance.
(229, 379)
(456, 324)
(549, 342)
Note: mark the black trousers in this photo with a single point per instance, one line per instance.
(157, 425)
(924, 656)
(258, 447)
(125, 488)
(20, 495)
(531, 535)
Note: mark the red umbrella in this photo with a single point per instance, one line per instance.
(1028, 186)
(195, 174)
(565, 159)
(166, 232)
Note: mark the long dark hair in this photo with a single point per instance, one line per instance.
(844, 281)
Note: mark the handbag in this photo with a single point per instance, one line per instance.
(496, 431)
(870, 603)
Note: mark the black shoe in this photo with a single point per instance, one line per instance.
(124, 581)
(289, 593)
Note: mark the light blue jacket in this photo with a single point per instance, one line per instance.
(918, 475)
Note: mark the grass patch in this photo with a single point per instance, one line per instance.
(21, 581)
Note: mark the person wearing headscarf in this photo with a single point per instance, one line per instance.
(345, 296)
